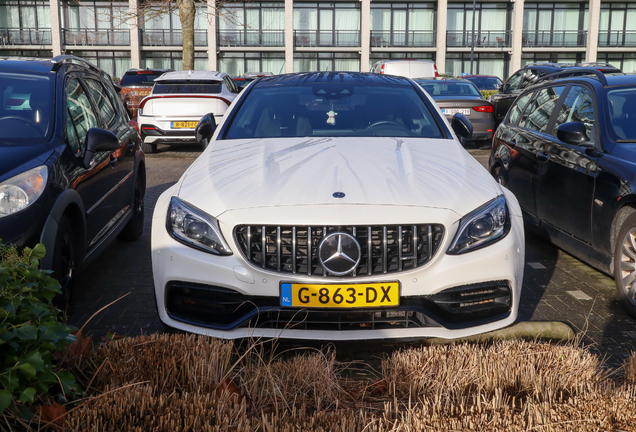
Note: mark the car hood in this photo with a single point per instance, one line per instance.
(239, 174)
(16, 159)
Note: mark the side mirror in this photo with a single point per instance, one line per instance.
(206, 127)
(99, 140)
(500, 87)
(573, 133)
(117, 87)
(461, 125)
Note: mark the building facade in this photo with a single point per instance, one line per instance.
(299, 36)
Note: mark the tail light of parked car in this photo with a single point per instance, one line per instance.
(484, 108)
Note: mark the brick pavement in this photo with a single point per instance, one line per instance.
(557, 286)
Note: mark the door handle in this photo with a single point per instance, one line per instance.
(112, 161)
(542, 156)
(513, 143)
(131, 146)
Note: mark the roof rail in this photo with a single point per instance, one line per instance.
(62, 59)
(577, 70)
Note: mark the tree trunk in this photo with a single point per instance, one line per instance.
(187, 11)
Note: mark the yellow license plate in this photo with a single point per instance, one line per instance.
(184, 125)
(340, 295)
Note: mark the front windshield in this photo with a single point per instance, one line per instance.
(485, 83)
(441, 89)
(27, 107)
(622, 109)
(333, 110)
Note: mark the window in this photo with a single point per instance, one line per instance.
(114, 63)
(518, 107)
(483, 64)
(81, 116)
(334, 110)
(101, 99)
(555, 24)
(513, 82)
(622, 109)
(376, 56)
(173, 60)
(618, 24)
(578, 106)
(252, 24)
(238, 63)
(624, 61)
(492, 23)
(537, 115)
(402, 24)
(191, 86)
(326, 62)
(327, 24)
(230, 84)
(25, 22)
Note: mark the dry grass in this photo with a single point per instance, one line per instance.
(193, 383)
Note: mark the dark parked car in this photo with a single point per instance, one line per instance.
(72, 175)
(532, 74)
(460, 96)
(567, 149)
(484, 82)
(136, 85)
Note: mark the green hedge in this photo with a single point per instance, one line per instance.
(30, 333)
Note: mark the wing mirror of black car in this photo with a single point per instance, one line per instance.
(99, 140)
(206, 127)
(461, 125)
(573, 133)
(117, 87)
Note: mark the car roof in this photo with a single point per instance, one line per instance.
(22, 64)
(479, 76)
(147, 70)
(327, 77)
(192, 75)
(403, 60)
(445, 79)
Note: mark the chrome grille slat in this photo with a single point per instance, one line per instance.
(293, 249)
(400, 251)
(263, 248)
(290, 249)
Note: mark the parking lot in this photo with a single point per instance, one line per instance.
(557, 287)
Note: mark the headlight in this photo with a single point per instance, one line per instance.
(193, 227)
(486, 225)
(21, 191)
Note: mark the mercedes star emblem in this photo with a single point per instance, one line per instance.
(339, 253)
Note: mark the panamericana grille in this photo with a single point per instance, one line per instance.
(294, 249)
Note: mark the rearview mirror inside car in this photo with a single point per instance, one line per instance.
(461, 125)
(573, 133)
(206, 127)
(99, 140)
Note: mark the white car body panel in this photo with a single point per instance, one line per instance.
(237, 174)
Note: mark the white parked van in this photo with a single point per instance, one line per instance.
(409, 68)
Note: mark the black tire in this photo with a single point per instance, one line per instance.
(500, 175)
(625, 265)
(135, 226)
(149, 148)
(64, 263)
(204, 144)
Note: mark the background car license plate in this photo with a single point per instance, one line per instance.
(340, 295)
(451, 111)
(183, 125)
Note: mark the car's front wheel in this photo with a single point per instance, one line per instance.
(625, 264)
(64, 261)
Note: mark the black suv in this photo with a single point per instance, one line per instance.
(72, 174)
(533, 73)
(567, 149)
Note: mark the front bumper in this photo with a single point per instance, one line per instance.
(452, 296)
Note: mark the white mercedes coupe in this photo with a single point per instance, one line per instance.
(336, 206)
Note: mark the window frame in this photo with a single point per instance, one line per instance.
(100, 122)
